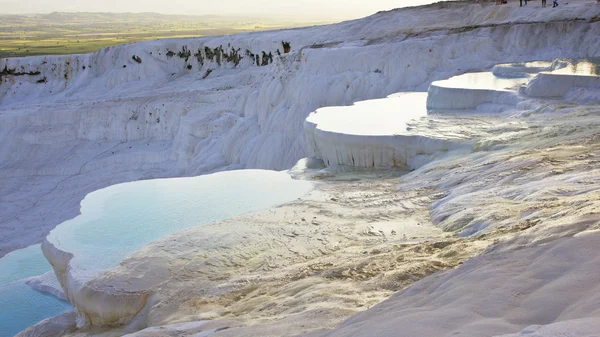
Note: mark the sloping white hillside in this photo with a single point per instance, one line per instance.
(73, 124)
(526, 187)
(524, 201)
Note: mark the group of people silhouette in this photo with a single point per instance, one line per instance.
(554, 3)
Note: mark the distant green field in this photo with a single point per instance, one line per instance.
(74, 33)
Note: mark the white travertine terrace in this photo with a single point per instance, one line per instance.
(92, 122)
(373, 133)
(526, 173)
(468, 91)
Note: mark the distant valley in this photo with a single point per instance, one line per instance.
(76, 33)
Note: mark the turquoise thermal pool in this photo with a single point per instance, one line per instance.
(118, 220)
(21, 305)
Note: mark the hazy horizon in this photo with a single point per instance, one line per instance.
(306, 9)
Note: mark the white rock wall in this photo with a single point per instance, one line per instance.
(440, 97)
(87, 128)
(557, 85)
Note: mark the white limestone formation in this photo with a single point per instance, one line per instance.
(375, 133)
(77, 123)
(73, 124)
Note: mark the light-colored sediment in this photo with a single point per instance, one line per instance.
(528, 194)
(47, 283)
(51, 327)
(543, 178)
(337, 251)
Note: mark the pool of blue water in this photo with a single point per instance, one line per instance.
(21, 306)
(120, 219)
(23, 263)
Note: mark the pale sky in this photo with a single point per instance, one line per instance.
(318, 9)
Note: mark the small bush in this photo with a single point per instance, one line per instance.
(184, 53)
(209, 53)
(199, 56)
(265, 59)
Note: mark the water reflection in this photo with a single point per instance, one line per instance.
(589, 66)
(482, 80)
(376, 117)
